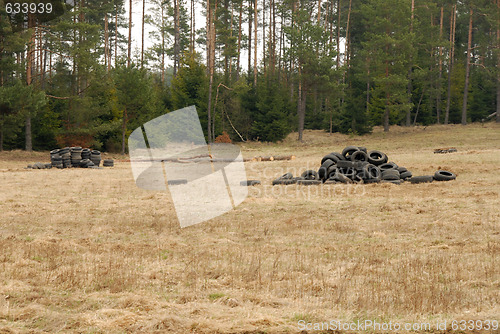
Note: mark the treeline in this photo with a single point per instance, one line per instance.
(257, 70)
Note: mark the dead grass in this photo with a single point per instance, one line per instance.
(86, 251)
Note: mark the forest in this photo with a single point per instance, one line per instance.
(254, 69)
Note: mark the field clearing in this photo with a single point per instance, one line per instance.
(87, 251)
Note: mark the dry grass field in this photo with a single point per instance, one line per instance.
(86, 251)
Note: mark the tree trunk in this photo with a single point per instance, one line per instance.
(129, 49)
(28, 137)
(440, 75)
(177, 48)
(162, 45)
(338, 34)
(387, 95)
(116, 35)
(467, 70)
(250, 36)
(240, 20)
(255, 19)
(453, 19)
(142, 30)
(264, 34)
(29, 79)
(106, 42)
(1, 134)
(301, 110)
(124, 129)
(209, 57)
(498, 66)
(410, 67)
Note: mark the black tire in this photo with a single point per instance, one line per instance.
(422, 179)
(348, 151)
(359, 165)
(363, 149)
(285, 176)
(401, 170)
(390, 175)
(338, 177)
(368, 181)
(444, 175)
(331, 157)
(377, 158)
(310, 175)
(308, 182)
(388, 165)
(406, 175)
(177, 182)
(372, 172)
(345, 164)
(358, 178)
(338, 155)
(323, 170)
(359, 156)
(284, 181)
(249, 183)
(348, 172)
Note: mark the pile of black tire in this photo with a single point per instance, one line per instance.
(358, 165)
(76, 157)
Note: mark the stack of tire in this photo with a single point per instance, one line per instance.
(56, 159)
(65, 156)
(76, 156)
(95, 157)
(108, 163)
(86, 153)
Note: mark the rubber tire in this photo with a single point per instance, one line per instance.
(339, 178)
(359, 156)
(348, 151)
(249, 183)
(323, 170)
(338, 155)
(401, 170)
(406, 175)
(372, 172)
(308, 182)
(345, 164)
(359, 165)
(377, 158)
(444, 175)
(348, 172)
(387, 166)
(390, 175)
(331, 157)
(284, 181)
(286, 176)
(422, 179)
(310, 175)
(363, 149)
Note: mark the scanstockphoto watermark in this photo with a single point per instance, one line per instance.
(170, 152)
(373, 325)
(207, 180)
(328, 192)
